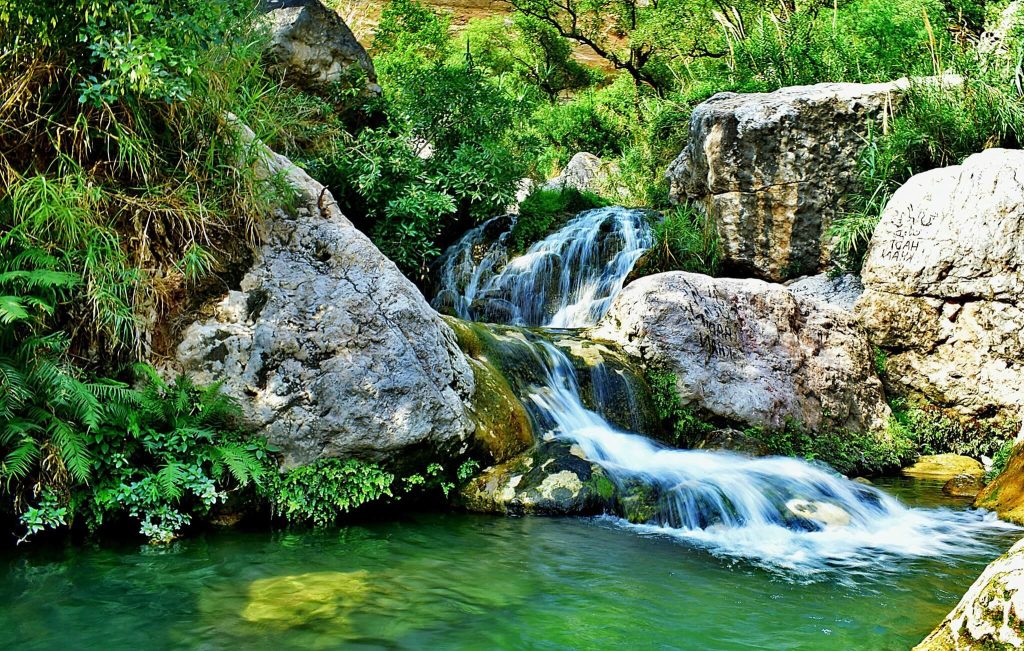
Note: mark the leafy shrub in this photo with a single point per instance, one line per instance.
(935, 430)
(851, 453)
(680, 424)
(321, 491)
(685, 240)
(543, 211)
(171, 454)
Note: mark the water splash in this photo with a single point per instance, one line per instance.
(566, 280)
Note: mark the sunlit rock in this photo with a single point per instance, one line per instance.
(751, 352)
(819, 512)
(990, 615)
(944, 467)
(944, 286)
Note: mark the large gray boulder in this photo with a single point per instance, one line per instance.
(944, 285)
(771, 169)
(991, 613)
(751, 352)
(330, 350)
(583, 172)
(311, 46)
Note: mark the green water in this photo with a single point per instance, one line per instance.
(458, 582)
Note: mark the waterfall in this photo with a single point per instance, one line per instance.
(566, 280)
(779, 512)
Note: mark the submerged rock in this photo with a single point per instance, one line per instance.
(822, 513)
(329, 349)
(1005, 494)
(297, 600)
(311, 46)
(944, 285)
(771, 169)
(990, 615)
(751, 352)
(944, 467)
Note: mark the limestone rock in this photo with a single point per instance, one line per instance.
(771, 169)
(330, 350)
(944, 285)
(751, 352)
(1005, 494)
(311, 46)
(821, 513)
(990, 614)
(584, 172)
(841, 292)
(944, 467)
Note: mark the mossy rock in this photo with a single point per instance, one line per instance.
(944, 467)
(549, 480)
(503, 427)
(1005, 494)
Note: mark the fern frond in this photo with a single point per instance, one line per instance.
(169, 480)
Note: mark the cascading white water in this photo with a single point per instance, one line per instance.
(566, 280)
(780, 512)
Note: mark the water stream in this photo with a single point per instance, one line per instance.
(781, 513)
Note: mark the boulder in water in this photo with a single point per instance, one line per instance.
(944, 286)
(822, 513)
(550, 480)
(329, 349)
(297, 600)
(751, 352)
(944, 467)
(311, 46)
(964, 485)
(991, 614)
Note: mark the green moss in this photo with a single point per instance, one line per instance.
(639, 503)
(602, 486)
(502, 425)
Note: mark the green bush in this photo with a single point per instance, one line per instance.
(684, 240)
(851, 453)
(544, 211)
(681, 426)
(935, 430)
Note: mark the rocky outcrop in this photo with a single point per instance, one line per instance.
(584, 172)
(990, 615)
(330, 350)
(771, 169)
(311, 46)
(1005, 494)
(944, 286)
(751, 352)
